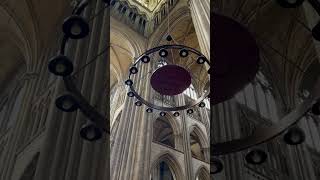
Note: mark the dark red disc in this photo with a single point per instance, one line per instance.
(235, 59)
(170, 80)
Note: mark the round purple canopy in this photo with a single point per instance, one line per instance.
(235, 59)
(170, 80)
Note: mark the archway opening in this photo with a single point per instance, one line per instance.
(163, 132)
(203, 174)
(166, 167)
(197, 149)
(163, 172)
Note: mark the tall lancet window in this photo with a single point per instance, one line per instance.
(258, 96)
(165, 173)
(162, 172)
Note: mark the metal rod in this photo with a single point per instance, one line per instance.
(92, 60)
(63, 44)
(98, 13)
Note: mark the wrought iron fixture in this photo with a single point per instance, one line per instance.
(256, 156)
(292, 135)
(216, 166)
(76, 27)
(170, 75)
(169, 79)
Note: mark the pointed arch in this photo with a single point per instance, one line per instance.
(172, 163)
(163, 132)
(125, 45)
(202, 137)
(202, 173)
(174, 123)
(199, 143)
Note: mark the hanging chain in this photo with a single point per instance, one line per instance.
(168, 20)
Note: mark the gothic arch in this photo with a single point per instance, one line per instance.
(117, 114)
(27, 27)
(133, 40)
(123, 49)
(199, 143)
(163, 132)
(202, 173)
(202, 137)
(14, 34)
(174, 123)
(14, 53)
(172, 162)
(116, 72)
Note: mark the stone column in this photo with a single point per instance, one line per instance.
(132, 142)
(94, 154)
(205, 118)
(189, 174)
(84, 78)
(52, 132)
(178, 141)
(53, 160)
(28, 82)
(200, 13)
(225, 127)
(206, 152)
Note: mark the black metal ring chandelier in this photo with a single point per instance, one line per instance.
(76, 27)
(293, 135)
(161, 81)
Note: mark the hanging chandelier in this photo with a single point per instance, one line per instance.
(76, 27)
(169, 70)
(170, 75)
(293, 135)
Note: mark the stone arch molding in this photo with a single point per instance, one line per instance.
(203, 173)
(172, 162)
(125, 45)
(135, 41)
(12, 33)
(117, 113)
(176, 127)
(202, 137)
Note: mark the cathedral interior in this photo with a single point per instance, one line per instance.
(119, 131)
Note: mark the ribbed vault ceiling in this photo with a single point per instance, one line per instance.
(121, 56)
(26, 28)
